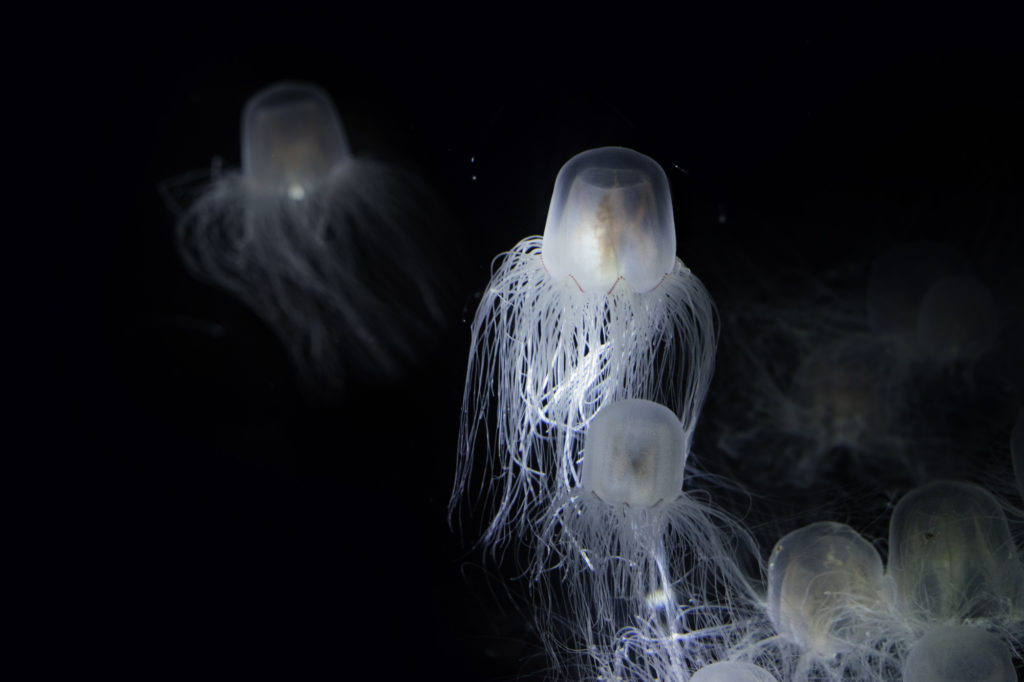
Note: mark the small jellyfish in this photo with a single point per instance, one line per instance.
(951, 556)
(598, 309)
(959, 653)
(732, 671)
(633, 550)
(825, 585)
(957, 320)
(332, 251)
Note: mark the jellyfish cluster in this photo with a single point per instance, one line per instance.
(590, 367)
(591, 356)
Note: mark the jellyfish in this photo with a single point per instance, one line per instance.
(825, 585)
(957, 320)
(951, 557)
(634, 552)
(333, 252)
(959, 653)
(599, 309)
(732, 671)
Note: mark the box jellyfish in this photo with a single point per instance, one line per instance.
(951, 556)
(632, 550)
(333, 252)
(731, 671)
(958, 653)
(598, 309)
(825, 582)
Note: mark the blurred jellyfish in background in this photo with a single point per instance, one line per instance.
(959, 653)
(336, 254)
(730, 671)
(951, 557)
(599, 309)
(633, 552)
(827, 595)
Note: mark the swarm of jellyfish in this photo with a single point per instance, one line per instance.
(599, 309)
(335, 253)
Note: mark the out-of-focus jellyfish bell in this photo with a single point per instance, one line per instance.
(732, 671)
(610, 218)
(599, 309)
(824, 582)
(959, 653)
(957, 320)
(631, 548)
(334, 252)
(951, 556)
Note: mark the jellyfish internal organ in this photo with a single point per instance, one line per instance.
(951, 556)
(599, 309)
(332, 251)
(822, 580)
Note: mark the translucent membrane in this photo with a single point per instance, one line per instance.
(951, 556)
(822, 580)
(635, 454)
(957, 320)
(610, 217)
(292, 138)
(729, 671)
(899, 280)
(959, 653)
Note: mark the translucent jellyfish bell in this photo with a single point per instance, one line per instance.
(631, 549)
(636, 454)
(823, 582)
(732, 671)
(957, 320)
(951, 556)
(292, 138)
(959, 653)
(597, 310)
(610, 217)
(337, 254)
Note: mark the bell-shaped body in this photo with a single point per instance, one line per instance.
(635, 454)
(822, 581)
(957, 320)
(959, 653)
(292, 138)
(951, 556)
(610, 217)
(731, 671)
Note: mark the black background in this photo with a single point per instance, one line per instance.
(206, 520)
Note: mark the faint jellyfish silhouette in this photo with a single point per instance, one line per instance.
(959, 653)
(951, 557)
(334, 253)
(598, 309)
(825, 589)
(732, 671)
(633, 551)
(957, 320)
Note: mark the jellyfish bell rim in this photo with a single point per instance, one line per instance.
(282, 93)
(561, 253)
